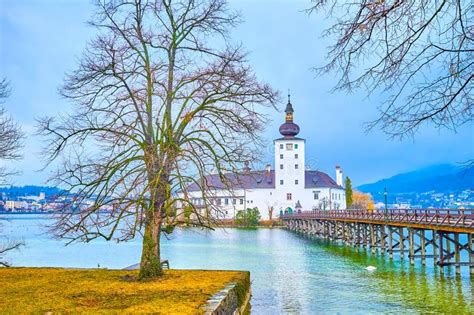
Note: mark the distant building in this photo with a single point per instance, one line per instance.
(279, 190)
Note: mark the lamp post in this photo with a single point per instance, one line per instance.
(385, 193)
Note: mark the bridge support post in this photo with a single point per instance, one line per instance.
(402, 245)
(423, 250)
(382, 238)
(411, 244)
(448, 247)
(441, 253)
(343, 232)
(366, 241)
(434, 242)
(358, 234)
(390, 242)
(457, 257)
(470, 253)
(372, 239)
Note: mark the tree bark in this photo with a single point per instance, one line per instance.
(150, 264)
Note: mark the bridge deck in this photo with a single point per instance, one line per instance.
(449, 220)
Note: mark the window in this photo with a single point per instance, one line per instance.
(296, 156)
(281, 181)
(288, 196)
(234, 201)
(241, 201)
(296, 166)
(226, 201)
(296, 146)
(316, 195)
(281, 166)
(289, 146)
(281, 156)
(219, 201)
(281, 146)
(296, 182)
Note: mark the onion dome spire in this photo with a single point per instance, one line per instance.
(289, 129)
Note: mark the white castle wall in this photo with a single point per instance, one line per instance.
(290, 179)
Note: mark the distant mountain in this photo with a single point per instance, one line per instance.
(30, 190)
(438, 178)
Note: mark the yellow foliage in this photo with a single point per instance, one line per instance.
(44, 290)
(361, 200)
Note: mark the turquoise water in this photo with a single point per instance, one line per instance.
(290, 273)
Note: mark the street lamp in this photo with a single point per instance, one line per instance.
(385, 193)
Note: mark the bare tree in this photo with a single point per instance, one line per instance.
(421, 53)
(162, 98)
(10, 143)
(10, 135)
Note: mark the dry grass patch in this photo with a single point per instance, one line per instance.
(43, 290)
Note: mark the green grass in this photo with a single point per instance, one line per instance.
(45, 290)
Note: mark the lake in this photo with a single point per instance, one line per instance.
(291, 274)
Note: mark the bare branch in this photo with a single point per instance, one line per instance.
(418, 53)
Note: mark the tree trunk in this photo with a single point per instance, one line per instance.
(150, 264)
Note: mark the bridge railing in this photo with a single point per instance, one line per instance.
(448, 217)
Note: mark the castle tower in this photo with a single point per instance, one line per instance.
(289, 162)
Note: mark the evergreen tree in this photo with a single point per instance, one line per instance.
(348, 193)
(247, 218)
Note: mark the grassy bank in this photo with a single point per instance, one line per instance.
(43, 290)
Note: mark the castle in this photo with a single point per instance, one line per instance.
(289, 187)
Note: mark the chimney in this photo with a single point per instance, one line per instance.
(338, 175)
(268, 168)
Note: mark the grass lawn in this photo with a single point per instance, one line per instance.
(43, 290)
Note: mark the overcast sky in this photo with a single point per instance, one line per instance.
(42, 39)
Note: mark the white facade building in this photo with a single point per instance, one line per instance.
(289, 187)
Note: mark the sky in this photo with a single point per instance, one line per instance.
(41, 40)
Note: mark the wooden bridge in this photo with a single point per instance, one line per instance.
(422, 233)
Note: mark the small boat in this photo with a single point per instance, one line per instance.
(370, 268)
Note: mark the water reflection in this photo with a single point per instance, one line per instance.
(422, 288)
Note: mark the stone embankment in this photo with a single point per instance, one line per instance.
(233, 299)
